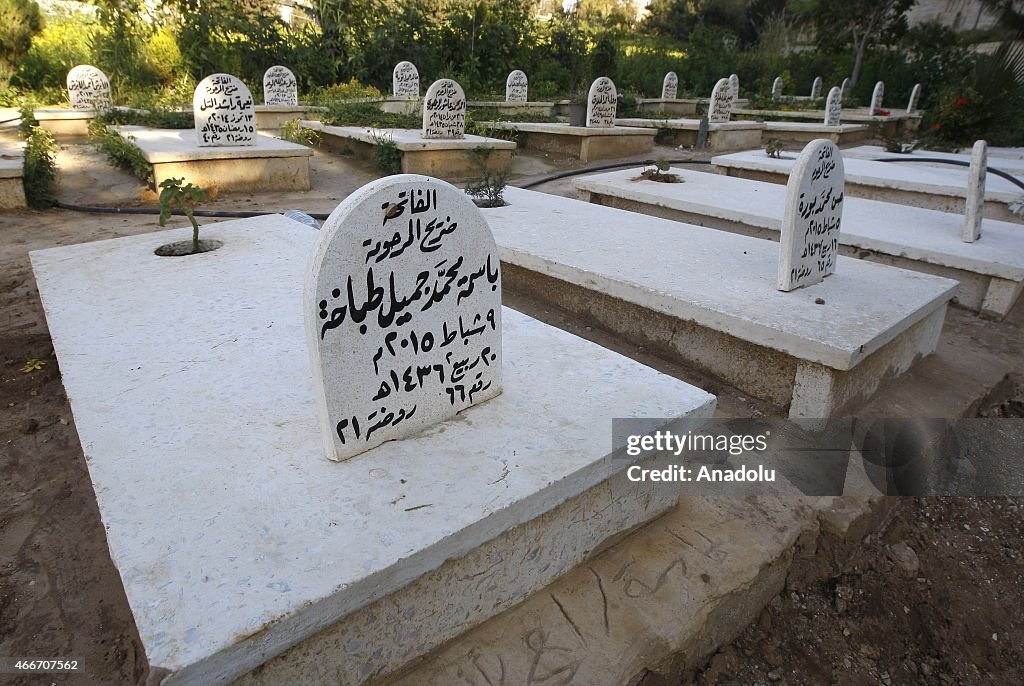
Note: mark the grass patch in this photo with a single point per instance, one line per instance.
(121, 153)
(154, 119)
(368, 114)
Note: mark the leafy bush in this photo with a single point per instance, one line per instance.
(62, 44)
(20, 20)
(121, 153)
(292, 130)
(488, 189)
(368, 114)
(156, 118)
(40, 169)
(352, 90)
(386, 154)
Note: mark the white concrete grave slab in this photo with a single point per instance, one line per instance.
(403, 312)
(730, 135)
(224, 112)
(602, 101)
(88, 89)
(777, 88)
(876, 98)
(280, 87)
(405, 80)
(12, 164)
(670, 86)
(809, 242)
(582, 142)
(710, 299)
(517, 87)
(919, 185)
(444, 110)
(816, 88)
(975, 205)
(875, 152)
(915, 96)
(833, 107)
(720, 107)
(734, 87)
(236, 540)
(990, 271)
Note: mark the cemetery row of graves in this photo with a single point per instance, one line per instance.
(419, 457)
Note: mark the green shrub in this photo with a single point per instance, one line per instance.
(386, 154)
(156, 118)
(368, 114)
(62, 44)
(353, 90)
(163, 55)
(121, 153)
(293, 130)
(488, 189)
(40, 169)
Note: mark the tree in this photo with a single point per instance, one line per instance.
(19, 22)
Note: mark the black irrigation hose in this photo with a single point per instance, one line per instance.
(230, 214)
(603, 167)
(959, 163)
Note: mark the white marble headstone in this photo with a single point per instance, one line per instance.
(602, 101)
(444, 110)
(809, 243)
(224, 112)
(833, 106)
(816, 88)
(720, 107)
(88, 88)
(974, 207)
(844, 86)
(670, 86)
(734, 85)
(876, 98)
(915, 95)
(777, 88)
(403, 312)
(280, 87)
(405, 81)
(516, 87)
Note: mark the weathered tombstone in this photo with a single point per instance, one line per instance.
(403, 312)
(833, 106)
(734, 85)
(777, 88)
(280, 87)
(720, 108)
(809, 243)
(816, 88)
(975, 203)
(88, 88)
(876, 98)
(405, 81)
(670, 86)
(516, 87)
(444, 110)
(601, 103)
(224, 112)
(915, 95)
(844, 86)
(702, 134)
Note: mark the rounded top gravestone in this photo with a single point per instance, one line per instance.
(809, 242)
(444, 110)
(833, 106)
(734, 85)
(777, 88)
(516, 87)
(876, 98)
(915, 95)
(670, 86)
(224, 112)
(720, 108)
(843, 86)
(280, 87)
(602, 100)
(405, 80)
(402, 312)
(88, 88)
(816, 88)
(974, 206)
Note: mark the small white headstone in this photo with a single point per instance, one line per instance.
(974, 207)
(444, 110)
(602, 101)
(833, 106)
(403, 312)
(915, 95)
(720, 107)
(876, 98)
(777, 88)
(734, 85)
(844, 86)
(405, 81)
(224, 112)
(88, 88)
(816, 88)
(809, 244)
(670, 86)
(516, 87)
(280, 87)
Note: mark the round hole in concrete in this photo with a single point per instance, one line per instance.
(182, 248)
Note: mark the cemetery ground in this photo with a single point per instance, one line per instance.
(948, 614)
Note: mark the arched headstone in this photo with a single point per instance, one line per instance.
(915, 95)
(974, 206)
(720, 107)
(602, 100)
(777, 88)
(444, 110)
(844, 86)
(670, 86)
(876, 98)
(280, 87)
(809, 243)
(224, 112)
(516, 87)
(734, 85)
(402, 312)
(816, 88)
(833, 106)
(88, 88)
(405, 80)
